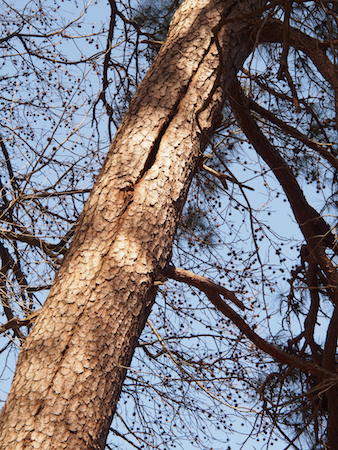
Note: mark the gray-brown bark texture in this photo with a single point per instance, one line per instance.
(71, 369)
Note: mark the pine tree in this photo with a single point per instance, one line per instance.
(73, 363)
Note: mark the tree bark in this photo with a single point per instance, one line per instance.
(71, 369)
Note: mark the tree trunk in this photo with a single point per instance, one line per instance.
(71, 369)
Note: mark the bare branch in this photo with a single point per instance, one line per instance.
(278, 354)
(202, 283)
(316, 146)
(15, 323)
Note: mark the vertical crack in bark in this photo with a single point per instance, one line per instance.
(156, 144)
